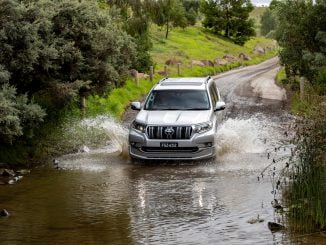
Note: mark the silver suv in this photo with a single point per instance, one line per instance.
(178, 120)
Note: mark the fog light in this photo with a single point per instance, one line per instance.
(136, 144)
(209, 144)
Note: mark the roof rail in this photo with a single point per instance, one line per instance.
(163, 79)
(207, 79)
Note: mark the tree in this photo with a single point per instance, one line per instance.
(167, 13)
(135, 21)
(51, 53)
(191, 10)
(301, 33)
(18, 116)
(230, 18)
(55, 49)
(268, 22)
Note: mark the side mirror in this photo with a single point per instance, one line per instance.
(220, 106)
(135, 106)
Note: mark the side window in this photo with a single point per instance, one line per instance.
(213, 95)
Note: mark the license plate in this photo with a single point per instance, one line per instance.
(169, 145)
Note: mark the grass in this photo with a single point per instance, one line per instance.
(281, 78)
(304, 193)
(196, 43)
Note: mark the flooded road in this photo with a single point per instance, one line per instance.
(100, 197)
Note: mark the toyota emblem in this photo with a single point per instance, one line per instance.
(169, 131)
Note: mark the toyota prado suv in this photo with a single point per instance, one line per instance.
(178, 120)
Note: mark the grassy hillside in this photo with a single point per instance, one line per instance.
(197, 43)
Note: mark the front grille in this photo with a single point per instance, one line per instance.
(176, 149)
(169, 132)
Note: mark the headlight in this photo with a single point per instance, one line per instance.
(138, 126)
(202, 127)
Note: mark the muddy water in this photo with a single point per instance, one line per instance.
(100, 197)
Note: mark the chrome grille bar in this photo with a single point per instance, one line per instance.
(178, 132)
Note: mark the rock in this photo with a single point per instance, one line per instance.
(259, 50)
(173, 62)
(221, 62)
(4, 213)
(255, 220)
(276, 205)
(23, 171)
(207, 62)
(244, 56)
(231, 58)
(143, 76)
(274, 227)
(17, 178)
(55, 161)
(84, 149)
(133, 72)
(197, 63)
(11, 182)
(162, 73)
(7, 173)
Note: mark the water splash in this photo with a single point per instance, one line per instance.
(117, 134)
(253, 135)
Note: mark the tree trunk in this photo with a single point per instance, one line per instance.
(167, 30)
(227, 29)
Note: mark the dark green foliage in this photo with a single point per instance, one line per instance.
(135, 21)
(191, 11)
(229, 18)
(18, 116)
(167, 13)
(55, 51)
(301, 33)
(50, 45)
(268, 22)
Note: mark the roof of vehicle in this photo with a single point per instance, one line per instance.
(191, 83)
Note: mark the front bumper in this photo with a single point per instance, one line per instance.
(199, 146)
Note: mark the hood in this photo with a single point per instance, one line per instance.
(173, 117)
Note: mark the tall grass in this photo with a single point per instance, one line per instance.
(305, 195)
(304, 179)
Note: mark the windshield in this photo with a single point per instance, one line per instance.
(177, 100)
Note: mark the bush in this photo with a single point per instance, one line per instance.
(17, 115)
(58, 49)
(54, 51)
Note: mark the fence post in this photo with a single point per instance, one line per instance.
(136, 78)
(191, 64)
(151, 73)
(83, 104)
(302, 81)
(179, 71)
(166, 70)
